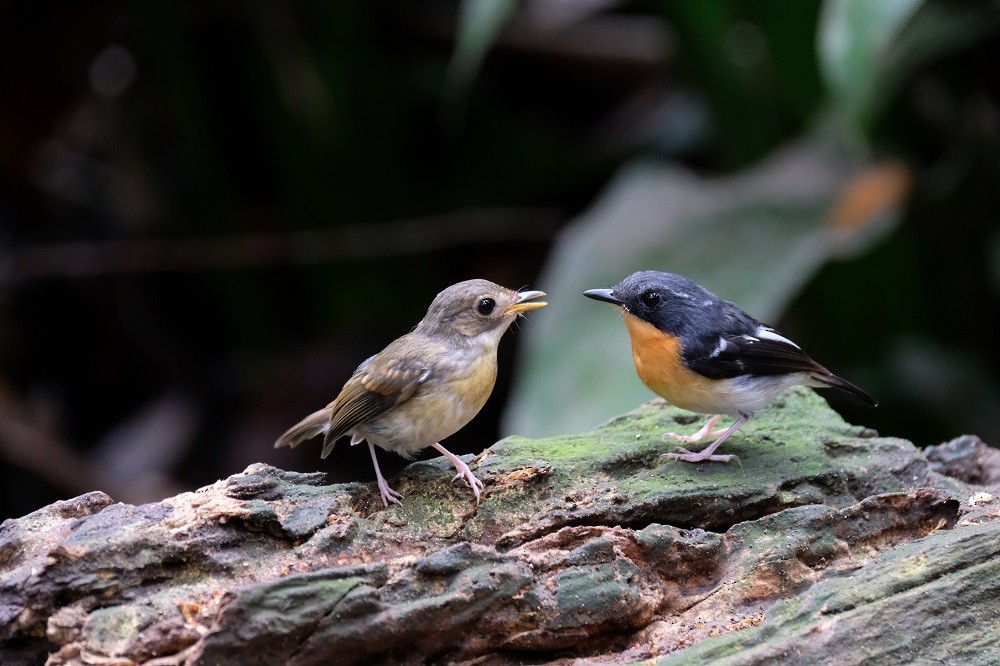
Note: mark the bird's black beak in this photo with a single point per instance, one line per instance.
(606, 295)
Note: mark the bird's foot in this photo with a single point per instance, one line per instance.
(465, 473)
(692, 439)
(706, 432)
(463, 470)
(387, 493)
(687, 456)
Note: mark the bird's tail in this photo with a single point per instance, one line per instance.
(830, 379)
(316, 423)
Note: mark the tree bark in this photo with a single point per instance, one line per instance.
(826, 544)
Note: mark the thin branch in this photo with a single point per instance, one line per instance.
(47, 458)
(357, 241)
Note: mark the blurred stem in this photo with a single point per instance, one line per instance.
(744, 133)
(479, 23)
(180, 70)
(341, 243)
(793, 50)
(31, 448)
(702, 28)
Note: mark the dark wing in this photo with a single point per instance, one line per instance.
(763, 353)
(732, 355)
(374, 387)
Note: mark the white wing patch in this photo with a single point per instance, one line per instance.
(766, 333)
(719, 348)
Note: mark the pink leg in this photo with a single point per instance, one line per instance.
(387, 493)
(463, 470)
(706, 432)
(706, 453)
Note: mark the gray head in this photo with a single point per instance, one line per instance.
(673, 303)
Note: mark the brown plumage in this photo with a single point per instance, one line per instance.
(425, 385)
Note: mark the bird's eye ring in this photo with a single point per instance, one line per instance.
(485, 306)
(650, 299)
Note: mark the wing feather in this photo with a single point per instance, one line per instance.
(373, 388)
(734, 355)
(767, 353)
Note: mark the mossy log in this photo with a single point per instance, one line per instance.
(826, 544)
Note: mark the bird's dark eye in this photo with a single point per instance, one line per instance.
(485, 306)
(650, 299)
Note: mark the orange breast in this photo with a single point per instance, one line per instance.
(658, 363)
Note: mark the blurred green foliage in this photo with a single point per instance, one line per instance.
(883, 318)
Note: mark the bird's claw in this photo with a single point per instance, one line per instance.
(687, 456)
(687, 439)
(463, 471)
(704, 433)
(473, 482)
(388, 494)
(470, 478)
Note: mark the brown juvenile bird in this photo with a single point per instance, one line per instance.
(701, 353)
(425, 385)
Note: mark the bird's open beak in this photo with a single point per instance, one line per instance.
(606, 295)
(524, 302)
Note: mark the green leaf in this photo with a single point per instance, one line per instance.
(754, 238)
(479, 23)
(854, 38)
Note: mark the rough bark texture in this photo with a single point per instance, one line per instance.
(827, 544)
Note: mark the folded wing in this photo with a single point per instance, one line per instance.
(375, 387)
(763, 353)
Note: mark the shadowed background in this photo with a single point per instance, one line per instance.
(211, 213)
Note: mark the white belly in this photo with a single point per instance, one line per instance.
(748, 393)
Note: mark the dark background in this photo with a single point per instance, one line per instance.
(210, 213)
